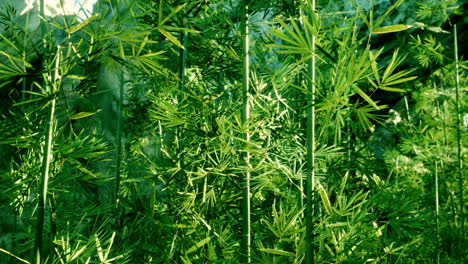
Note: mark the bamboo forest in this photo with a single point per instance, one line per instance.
(233, 131)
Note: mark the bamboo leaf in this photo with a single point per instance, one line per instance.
(278, 252)
(52, 23)
(365, 96)
(173, 12)
(10, 43)
(398, 75)
(325, 199)
(200, 244)
(13, 255)
(170, 37)
(387, 13)
(392, 89)
(375, 70)
(391, 29)
(81, 115)
(394, 62)
(191, 30)
(400, 81)
(83, 24)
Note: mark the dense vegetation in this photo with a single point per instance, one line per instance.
(215, 131)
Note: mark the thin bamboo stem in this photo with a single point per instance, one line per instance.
(407, 108)
(119, 145)
(311, 146)
(183, 60)
(246, 239)
(459, 144)
(436, 179)
(46, 162)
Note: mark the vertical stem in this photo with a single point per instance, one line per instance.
(309, 259)
(441, 110)
(183, 61)
(119, 145)
(42, 196)
(459, 156)
(46, 161)
(183, 80)
(407, 108)
(246, 240)
(437, 209)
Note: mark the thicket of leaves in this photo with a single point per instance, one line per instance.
(147, 161)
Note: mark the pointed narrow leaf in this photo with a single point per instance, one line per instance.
(81, 115)
(401, 80)
(391, 29)
(200, 244)
(325, 200)
(175, 11)
(170, 37)
(365, 96)
(392, 89)
(82, 24)
(10, 43)
(278, 252)
(387, 13)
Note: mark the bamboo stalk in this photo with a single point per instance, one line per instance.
(459, 144)
(119, 145)
(436, 179)
(246, 239)
(407, 107)
(183, 60)
(46, 162)
(311, 145)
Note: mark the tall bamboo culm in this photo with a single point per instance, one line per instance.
(310, 142)
(44, 180)
(46, 162)
(459, 144)
(119, 147)
(436, 181)
(246, 240)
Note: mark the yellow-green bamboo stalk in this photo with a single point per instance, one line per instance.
(310, 141)
(46, 162)
(246, 240)
(436, 180)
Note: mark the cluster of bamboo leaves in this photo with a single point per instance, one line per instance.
(197, 131)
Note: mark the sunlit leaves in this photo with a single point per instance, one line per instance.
(389, 78)
(82, 24)
(165, 29)
(297, 38)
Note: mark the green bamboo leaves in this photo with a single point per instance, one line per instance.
(297, 39)
(13, 65)
(389, 79)
(165, 29)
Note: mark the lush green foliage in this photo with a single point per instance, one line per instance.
(153, 124)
